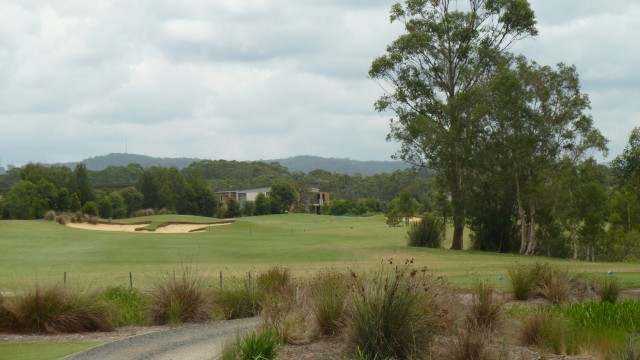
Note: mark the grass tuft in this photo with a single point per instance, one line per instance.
(609, 289)
(54, 309)
(469, 344)
(261, 345)
(328, 290)
(235, 301)
(556, 287)
(131, 305)
(180, 298)
(395, 314)
(485, 311)
(274, 280)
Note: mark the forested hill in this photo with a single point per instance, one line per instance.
(306, 163)
(104, 161)
(302, 163)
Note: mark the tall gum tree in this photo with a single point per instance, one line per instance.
(431, 75)
(536, 116)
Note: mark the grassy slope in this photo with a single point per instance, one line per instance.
(43, 251)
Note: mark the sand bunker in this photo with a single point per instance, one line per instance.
(168, 229)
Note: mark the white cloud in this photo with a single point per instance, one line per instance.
(250, 79)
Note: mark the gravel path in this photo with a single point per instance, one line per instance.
(189, 342)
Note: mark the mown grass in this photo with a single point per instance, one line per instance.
(42, 351)
(303, 243)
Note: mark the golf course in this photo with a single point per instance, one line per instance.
(43, 251)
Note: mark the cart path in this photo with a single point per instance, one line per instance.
(203, 341)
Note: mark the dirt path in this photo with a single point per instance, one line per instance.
(189, 342)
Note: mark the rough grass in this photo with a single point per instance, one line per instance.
(180, 297)
(54, 309)
(609, 289)
(485, 312)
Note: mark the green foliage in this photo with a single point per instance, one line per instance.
(50, 215)
(426, 233)
(282, 196)
(629, 351)
(546, 330)
(105, 209)
(232, 209)
(54, 309)
(131, 305)
(236, 300)
(248, 208)
(623, 316)
(90, 208)
(180, 298)
(133, 199)
(394, 218)
(262, 206)
(273, 280)
(262, 345)
(394, 315)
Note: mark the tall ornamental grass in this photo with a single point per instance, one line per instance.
(395, 314)
(55, 309)
(180, 297)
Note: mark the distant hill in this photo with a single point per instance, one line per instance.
(302, 163)
(306, 163)
(104, 161)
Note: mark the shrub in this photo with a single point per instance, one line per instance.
(426, 233)
(54, 309)
(288, 313)
(609, 289)
(144, 212)
(261, 345)
(50, 215)
(164, 211)
(179, 298)
(485, 312)
(62, 219)
(395, 315)
(131, 305)
(328, 290)
(93, 220)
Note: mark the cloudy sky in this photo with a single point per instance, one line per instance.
(251, 79)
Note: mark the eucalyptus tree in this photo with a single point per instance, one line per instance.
(432, 76)
(535, 117)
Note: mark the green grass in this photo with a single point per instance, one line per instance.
(42, 250)
(42, 351)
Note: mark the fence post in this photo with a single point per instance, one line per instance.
(65, 278)
(220, 280)
(249, 279)
(130, 281)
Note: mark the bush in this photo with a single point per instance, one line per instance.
(163, 211)
(62, 219)
(485, 312)
(131, 305)
(261, 345)
(609, 289)
(54, 309)
(395, 315)
(426, 233)
(328, 290)
(50, 215)
(180, 298)
(144, 212)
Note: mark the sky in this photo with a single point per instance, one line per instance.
(253, 79)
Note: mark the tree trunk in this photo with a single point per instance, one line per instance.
(458, 229)
(532, 231)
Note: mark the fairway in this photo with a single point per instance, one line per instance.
(43, 251)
